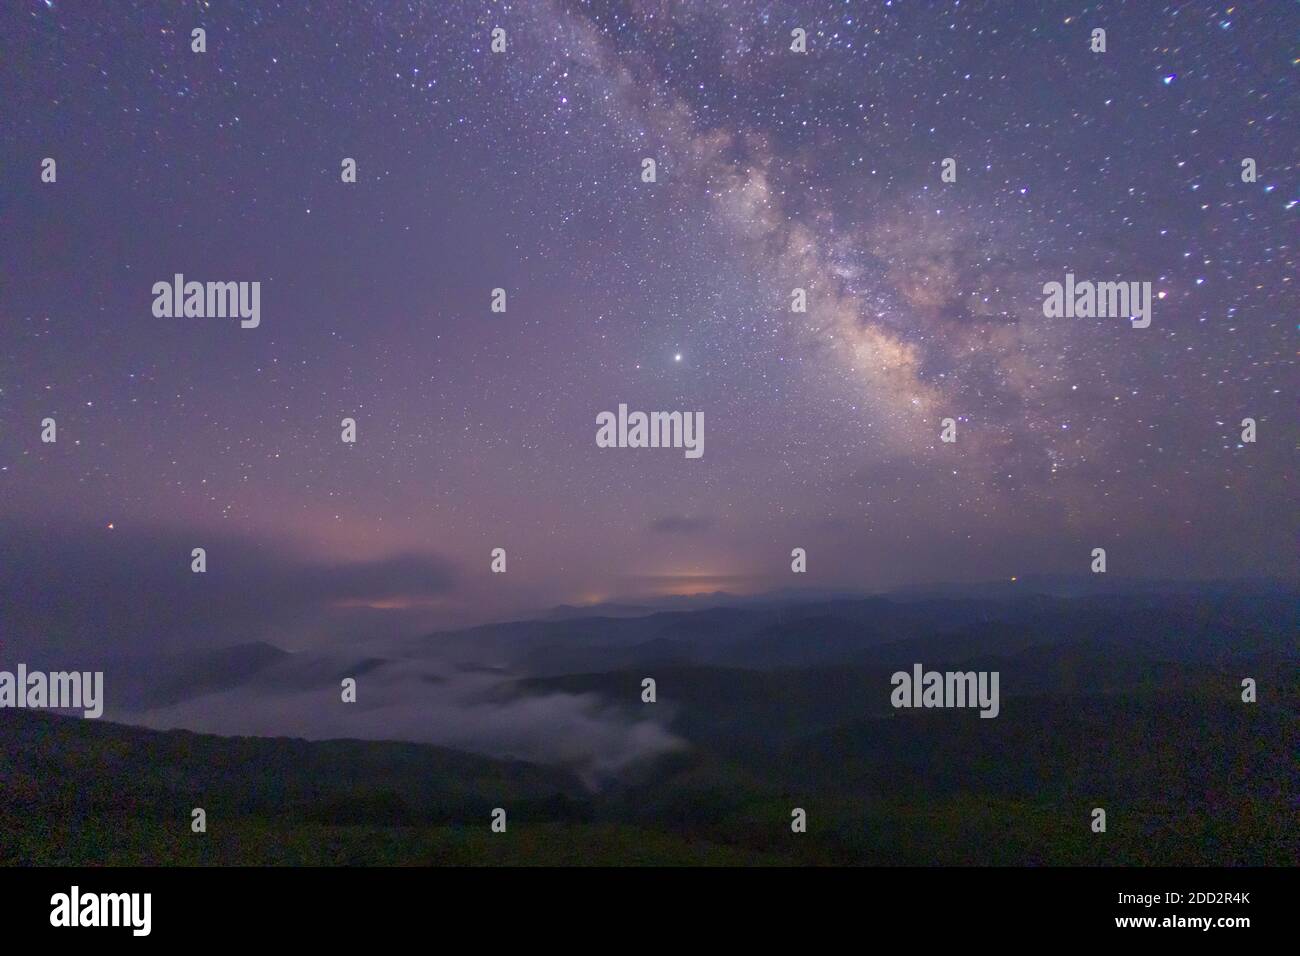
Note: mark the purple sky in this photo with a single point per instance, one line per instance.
(521, 170)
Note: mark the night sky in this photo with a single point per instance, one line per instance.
(522, 170)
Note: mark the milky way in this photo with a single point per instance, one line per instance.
(521, 170)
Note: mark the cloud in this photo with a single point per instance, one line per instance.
(681, 524)
(125, 601)
(128, 590)
(424, 701)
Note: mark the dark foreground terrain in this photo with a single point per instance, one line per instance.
(1130, 705)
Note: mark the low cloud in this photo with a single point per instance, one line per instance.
(180, 649)
(117, 591)
(424, 701)
(681, 524)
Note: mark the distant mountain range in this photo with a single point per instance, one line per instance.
(1130, 702)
